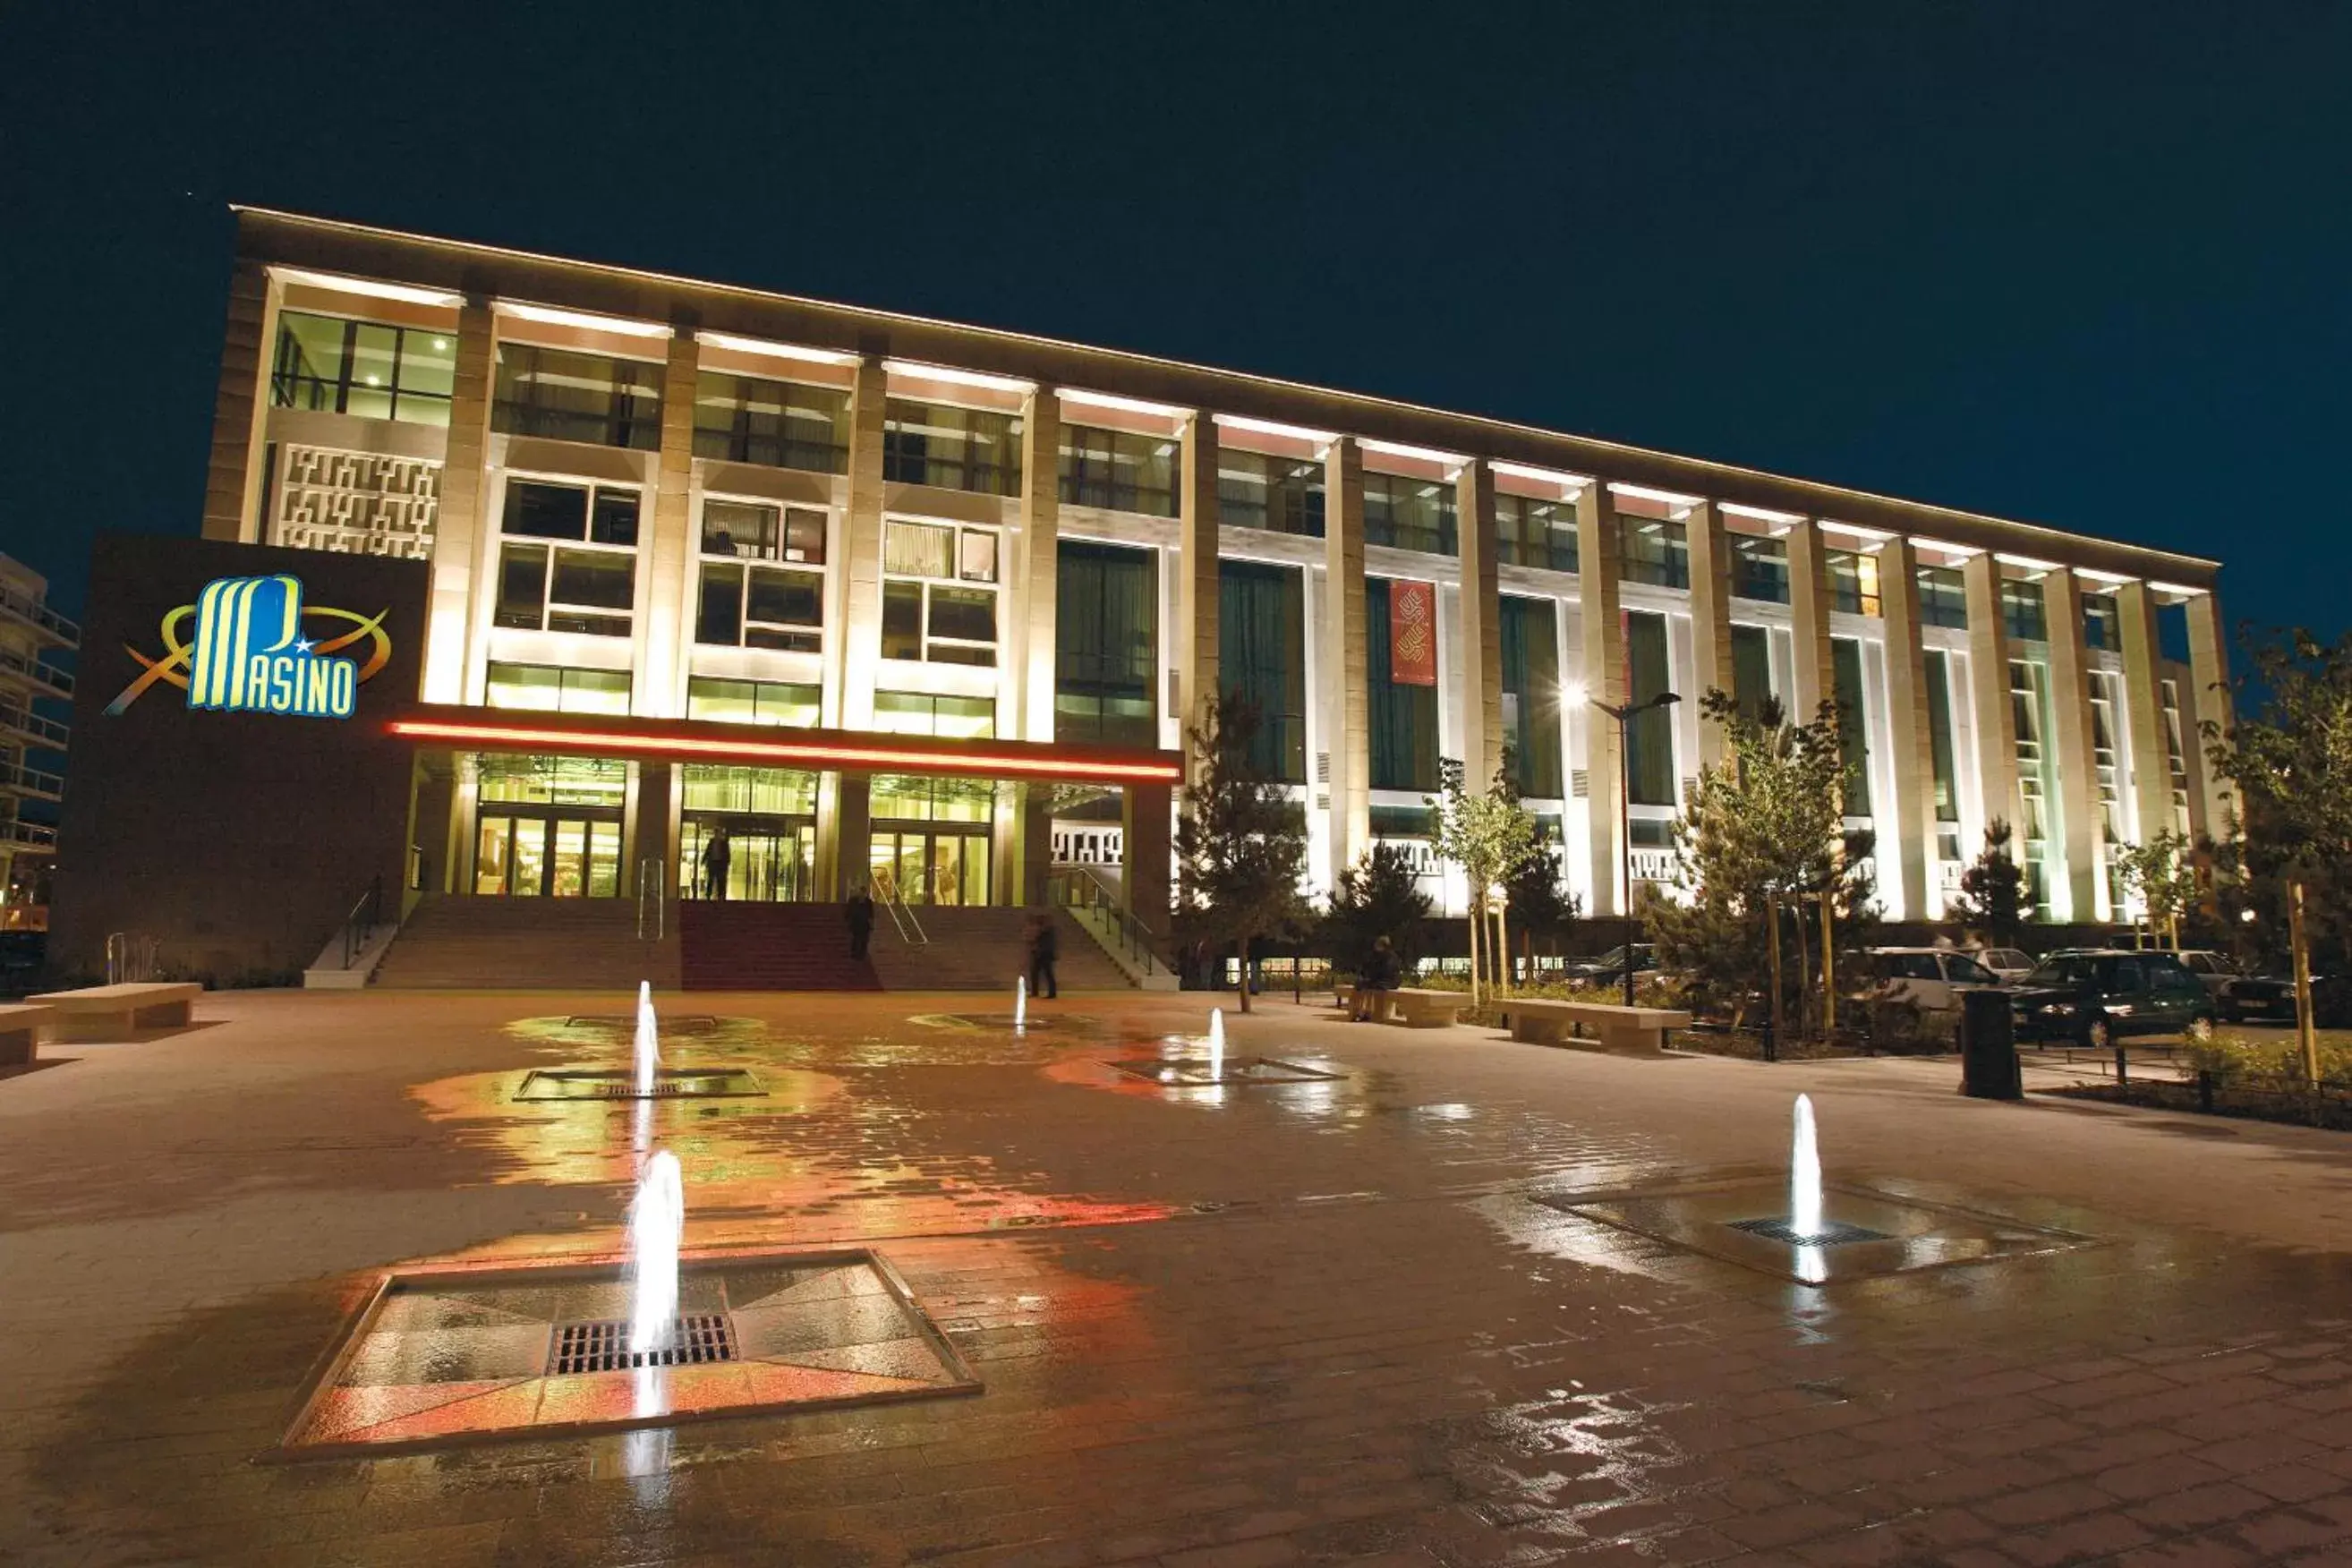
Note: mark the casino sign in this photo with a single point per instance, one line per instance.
(251, 652)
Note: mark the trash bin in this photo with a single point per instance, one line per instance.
(1989, 1067)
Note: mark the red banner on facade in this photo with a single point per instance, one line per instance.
(1412, 634)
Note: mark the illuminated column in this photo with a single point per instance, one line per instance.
(464, 480)
(1808, 610)
(1909, 733)
(853, 835)
(1147, 816)
(662, 635)
(233, 478)
(1996, 719)
(849, 686)
(2079, 826)
(1196, 577)
(1040, 500)
(1710, 590)
(1598, 564)
(2209, 673)
(2152, 768)
(650, 839)
(1482, 624)
(1345, 664)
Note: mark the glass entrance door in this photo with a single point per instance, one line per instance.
(769, 859)
(527, 855)
(930, 866)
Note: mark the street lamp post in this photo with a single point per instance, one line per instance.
(1625, 812)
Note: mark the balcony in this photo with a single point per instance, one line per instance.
(51, 626)
(19, 780)
(34, 676)
(32, 730)
(21, 836)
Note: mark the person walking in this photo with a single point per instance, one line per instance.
(858, 912)
(716, 856)
(1045, 947)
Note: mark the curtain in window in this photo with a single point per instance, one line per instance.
(1751, 669)
(1262, 654)
(1649, 736)
(1405, 717)
(1531, 694)
(1107, 638)
(1853, 736)
(1939, 736)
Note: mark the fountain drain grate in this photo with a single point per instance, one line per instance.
(669, 1083)
(693, 1340)
(1833, 1233)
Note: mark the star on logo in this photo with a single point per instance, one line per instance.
(303, 645)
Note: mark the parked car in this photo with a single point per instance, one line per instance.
(1929, 978)
(2007, 964)
(1609, 967)
(2096, 996)
(2236, 994)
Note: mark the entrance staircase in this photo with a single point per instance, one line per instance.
(455, 942)
(769, 947)
(986, 949)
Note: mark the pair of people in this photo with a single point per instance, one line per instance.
(1383, 972)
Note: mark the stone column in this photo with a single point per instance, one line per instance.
(1996, 721)
(1346, 664)
(852, 834)
(849, 678)
(1711, 578)
(464, 479)
(1145, 818)
(1808, 610)
(1041, 503)
(1196, 578)
(2079, 827)
(432, 823)
(1599, 560)
(2152, 768)
(649, 836)
(1482, 737)
(669, 554)
(240, 405)
(1036, 844)
(1910, 735)
(2208, 674)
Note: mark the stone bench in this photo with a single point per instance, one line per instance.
(145, 1005)
(1418, 1009)
(1619, 1030)
(20, 1032)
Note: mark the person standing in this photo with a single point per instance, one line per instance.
(858, 912)
(716, 856)
(1045, 947)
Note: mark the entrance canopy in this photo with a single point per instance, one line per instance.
(765, 745)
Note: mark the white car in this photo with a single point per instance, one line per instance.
(1930, 978)
(2008, 965)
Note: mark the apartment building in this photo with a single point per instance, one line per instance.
(32, 741)
(664, 517)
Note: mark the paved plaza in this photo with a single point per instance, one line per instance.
(1350, 1319)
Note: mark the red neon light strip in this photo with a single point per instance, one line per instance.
(784, 751)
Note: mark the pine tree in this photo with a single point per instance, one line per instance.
(1379, 896)
(1241, 841)
(1993, 895)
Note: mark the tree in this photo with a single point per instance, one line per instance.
(1489, 835)
(1994, 894)
(1241, 841)
(1762, 832)
(1538, 899)
(1379, 896)
(2164, 875)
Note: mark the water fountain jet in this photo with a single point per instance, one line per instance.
(656, 1222)
(1020, 1005)
(648, 1041)
(1216, 1043)
(1805, 1175)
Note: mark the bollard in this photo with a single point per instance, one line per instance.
(2205, 1092)
(2123, 1078)
(1772, 1045)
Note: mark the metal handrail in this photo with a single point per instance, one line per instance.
(33, 610)
(33, 724)
(129, 958)
(56, 681)
(38, 835)
(367, 913)
(901, 913)
(653, 876)
(32, 779)
(1076, 887)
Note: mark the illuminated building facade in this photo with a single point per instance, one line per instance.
(32, 739)
(657, 508)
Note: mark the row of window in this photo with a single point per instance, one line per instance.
(555, 688)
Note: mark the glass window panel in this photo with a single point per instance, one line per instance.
(919, 549)
(615, 519)
(775, 424)
(804, 536)
(1530, 658)
(374, 359)
(978, 562)
(2022, 608)
(719, 613)
(1654, 552)
(1943, 597)
(525, 685)
(720, 701)
(597, 691)
(1262, 654)
(310, 368)
(1649, 735)
(787, 598)
(967, 614)
(1853, 742)
(428, 364)
(596, 578)
(1403, 730)
(739, 528)
(1751, 669)
(522, 585)
(1760, 569)
(902, 620)
(546, 512)
(569, 396)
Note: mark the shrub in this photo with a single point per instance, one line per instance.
(2275, 1065)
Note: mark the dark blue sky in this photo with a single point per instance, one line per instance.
(2080, 264)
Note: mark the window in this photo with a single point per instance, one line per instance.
(1941, 755)
(1760, 569)
(1531, 533)
(1751, 669)
(1281, 494)
(1408, 513)
(584, 582)
(789, 705)
(1107, 645)
(1649, 735)
(1119, 470)
(506, 778)
(1403, 740)
(1655, 552)
(2175, 759)
(1853, 582)
(1943, 597)
(555, 688)
(577, 397)
(331, 365)
(2029, 692)
(1530, 640)
(1962, 970)
(776, 423)
(1853, 736)
(1262, 655)
(920, 714)
(939, 597)
(951, 447)
(2102, 623)
(748, 606)
(750, 531)
(2020, 610)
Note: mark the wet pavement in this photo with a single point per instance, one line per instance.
(1443, 1308)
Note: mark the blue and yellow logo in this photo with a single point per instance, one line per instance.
(250, 654)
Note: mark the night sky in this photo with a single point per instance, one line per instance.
(2076, 264)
